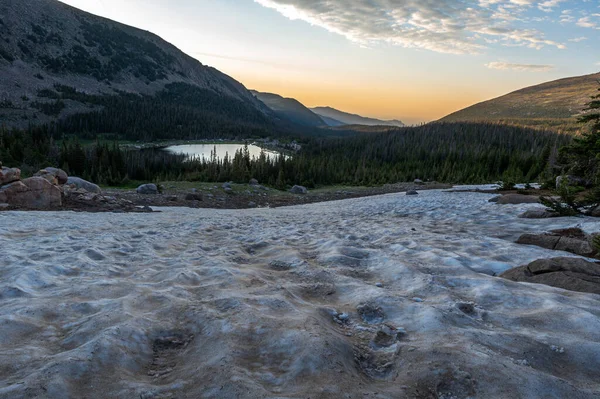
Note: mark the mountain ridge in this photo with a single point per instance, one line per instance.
(555, 104)
(290, 108)
(352, 119)
(47, 43)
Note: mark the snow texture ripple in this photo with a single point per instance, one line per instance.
(388, 297)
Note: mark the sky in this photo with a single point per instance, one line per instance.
(413, 60)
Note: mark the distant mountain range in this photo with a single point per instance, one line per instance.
(555, 104)
(335, 118)
(290, 109)
(295, 111)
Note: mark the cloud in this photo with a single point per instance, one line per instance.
(519, 67)
(446, 26)
(588, 22)
(578, 39)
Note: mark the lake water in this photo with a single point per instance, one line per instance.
(204, 150)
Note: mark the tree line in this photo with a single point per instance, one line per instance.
(444, 152)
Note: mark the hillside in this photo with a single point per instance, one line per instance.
(332, 116)
(57, 61)
(555, 104)
(291, 109)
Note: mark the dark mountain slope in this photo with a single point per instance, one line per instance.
(47, 45)
(345, 118)
(290, 109)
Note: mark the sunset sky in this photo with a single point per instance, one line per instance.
(414, 60)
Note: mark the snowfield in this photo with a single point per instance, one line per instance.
(381, 297)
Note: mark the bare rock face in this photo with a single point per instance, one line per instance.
(9, 175)
(572, 240)
(32, 193)
(573, 274)
(59, 174)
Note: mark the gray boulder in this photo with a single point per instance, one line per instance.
(59, 174)
(419, 182)
(79, 183)
(9, 175)
(412, 192)
(147, 189)
(226, 186)
(299, 190)
(253, 182)
(574, 274)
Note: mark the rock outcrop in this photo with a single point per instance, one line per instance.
(52, 189)
(573, 274)
(32, 193)
(572, 240)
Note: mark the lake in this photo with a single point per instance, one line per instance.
(204, 150)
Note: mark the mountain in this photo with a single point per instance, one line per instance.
(332, 116)
(290, 109)
(555, 104)
(57, 61)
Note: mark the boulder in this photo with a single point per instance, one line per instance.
(539, 240)
(49, 177)
(573, 274)
(9, 175)
(32, 193)
(419, 182)
(516, 199)
(60, 175)
(79, 183)
(299, 190)
(539, 213)
(253, 182)
(226, 186)
(193, 197)
(595, 212)
(412, 192)
(147, 189)
(572, 240)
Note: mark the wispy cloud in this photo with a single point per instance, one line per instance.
(519, 67)
(446, 26)
(578, 39)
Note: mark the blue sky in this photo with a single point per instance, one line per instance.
(414, 60)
